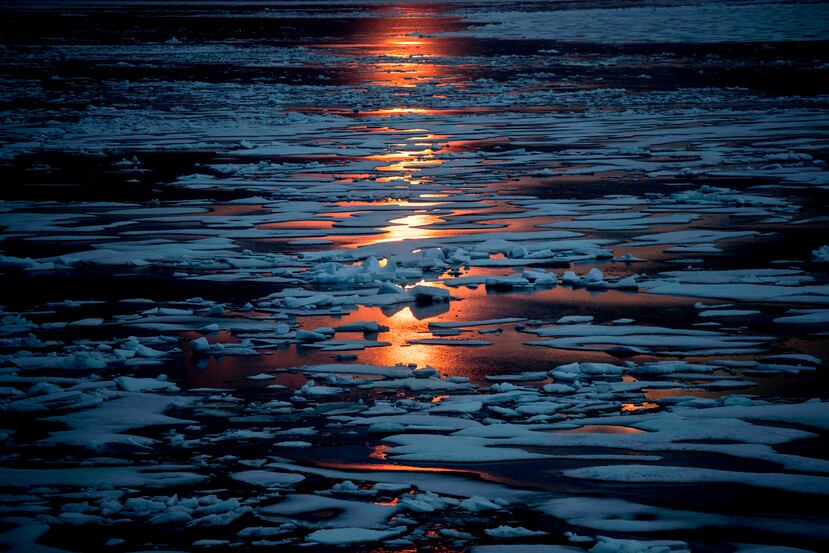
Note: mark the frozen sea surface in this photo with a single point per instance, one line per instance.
(540, 276)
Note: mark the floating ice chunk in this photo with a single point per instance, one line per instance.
(812, 316)
(648, 473)
(476, 504)
(811, 413)
(244, 434)
(450, 342)
(788, 156)
(260, 376)
(520, 377)
(87, 322)
(491, 282)
(457, 407)
(456, 534)
(419, 384)
(152, 476)
(575, 319)
(426, 502)
(434, 325)
(14, 324)
(799, 357)
(453, 449)
(386, 428)
(310, 336)
(617, 515)
(169, 518)
(426, 372)
(397, 371)
(594, 278)
(429, 294)
(346, 486)
(571, 278)
(627, 283)
(775, 285)
(415, 421)
(345, 345)
(628, 258)
(199, 345)
(81, 360)
(310, 388)
(692, 236)
(540, 408)
(211, 543)
(559, 388)
(266, 531)
(168, 311)
(347, 513)
(296, 443)
(24, 538)
(132, 344)
(612, 545)
(105, 424)
(729, 313)
(525, 548)
(160, 384)
(346, 536)
(20, 263)
(632, 338)
(267, 479)
(821, 255)
(366, 327)
(572, 371)
(540, 278)
(502, 387)
(725, 384)
(512, 532)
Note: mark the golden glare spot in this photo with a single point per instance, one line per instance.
(630, 407)
(421, 282)
(408, 42)
(409, 165)
(386, 466)
(407, 228)
(387, 201)
(408, 179)
(379, 452)
(401, 110)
